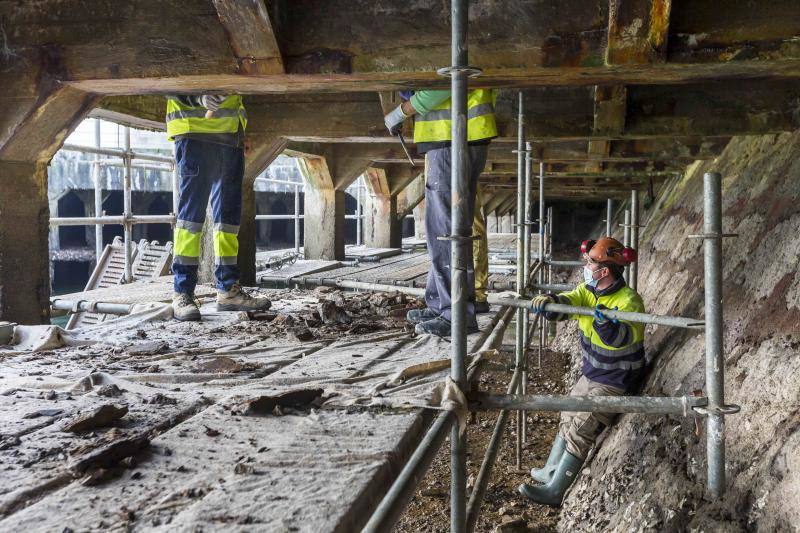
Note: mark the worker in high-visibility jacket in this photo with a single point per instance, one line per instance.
(432, 135)
(613, 361)
(208, 132)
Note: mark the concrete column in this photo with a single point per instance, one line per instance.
(24, 253)
(324, 212)
(265, 148)
(419, 220)
(324, 224)
(382, 228)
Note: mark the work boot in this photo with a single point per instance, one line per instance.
(552, 493)
(482, 307)
(439, 327)
(416, 316)
(545, 474)
(184, 308)
(237, 300)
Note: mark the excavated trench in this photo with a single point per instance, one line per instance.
(649, 472)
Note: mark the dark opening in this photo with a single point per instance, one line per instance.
(70, 276)
(408, 227)
(350, 225)
(161, 205)
(70, 205)
(112, 205)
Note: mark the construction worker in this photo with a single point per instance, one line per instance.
(208, 132)
(613, 361)
(432, 135)
(480, 253)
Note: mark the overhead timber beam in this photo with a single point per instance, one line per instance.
(251, 36)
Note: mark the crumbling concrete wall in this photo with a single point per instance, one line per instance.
(649, 473)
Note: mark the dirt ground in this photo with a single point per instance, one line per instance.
(504, 509)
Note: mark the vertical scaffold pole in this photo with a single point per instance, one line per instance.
(460, 247)
(715, 376)
(634, 268)
(98, 194)
(526, 281)
(126, 205)
(609, 216)
(541, 254)
(358, 212)
(626, 240)
(176, 192)
(519, 351)
(297, 219)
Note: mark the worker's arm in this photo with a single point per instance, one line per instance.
(422, 102)
(576, 297)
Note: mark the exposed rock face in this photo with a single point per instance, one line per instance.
(649, 474)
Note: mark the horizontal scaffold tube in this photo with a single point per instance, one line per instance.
(496, 299)
(673, 405)
(92, 307)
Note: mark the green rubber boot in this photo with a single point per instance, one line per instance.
(545, 474)
(553, 492)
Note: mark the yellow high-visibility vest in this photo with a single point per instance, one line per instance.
(182, 119)
(436, 126)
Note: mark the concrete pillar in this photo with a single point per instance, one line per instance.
(265, 148)
(323, 223)
(24, 253)
(382, 228)
(419, 220)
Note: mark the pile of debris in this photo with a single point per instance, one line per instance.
(337, 312)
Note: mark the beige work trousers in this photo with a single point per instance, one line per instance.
(580, 430)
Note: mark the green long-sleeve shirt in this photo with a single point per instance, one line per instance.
(425, 101)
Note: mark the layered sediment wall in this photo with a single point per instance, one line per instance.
(649, 473)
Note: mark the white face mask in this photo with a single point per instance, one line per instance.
(588, 277)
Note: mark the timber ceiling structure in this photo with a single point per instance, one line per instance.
(617, 93)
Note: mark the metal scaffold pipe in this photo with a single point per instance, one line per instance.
(715, 363)
(609, 215)
(519, 334)
(673, 405)
(634, 268)
(461, 245)
(626, 240)
(126, 206)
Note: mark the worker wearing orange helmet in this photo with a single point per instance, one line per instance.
(613, 361)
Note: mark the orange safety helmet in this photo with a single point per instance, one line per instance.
(608, 250)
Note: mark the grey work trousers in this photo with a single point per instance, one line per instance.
(438, 224)
(580, 430)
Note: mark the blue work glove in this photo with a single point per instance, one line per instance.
(406, 95)
(540, 301)
(600, 318)
(394, 120)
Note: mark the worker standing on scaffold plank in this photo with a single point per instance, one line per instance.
(208, 132)
(613, 361)
(432, 135)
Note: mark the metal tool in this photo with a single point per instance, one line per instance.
(405, 148)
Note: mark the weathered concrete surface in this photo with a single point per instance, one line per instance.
(650, 473)
(24, 214)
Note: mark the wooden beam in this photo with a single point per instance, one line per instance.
(251, 36)
(637, 31)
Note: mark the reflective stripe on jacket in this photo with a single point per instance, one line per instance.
(613, 353)
(182, 119)
(436, 126)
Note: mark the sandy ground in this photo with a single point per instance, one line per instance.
(504, 509)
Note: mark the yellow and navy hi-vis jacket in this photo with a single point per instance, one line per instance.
(613, 353)
(436, 126)
(182, 118)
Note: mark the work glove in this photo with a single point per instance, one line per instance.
(212, 101)
(601, 318)
(540, 301)
(394, 120)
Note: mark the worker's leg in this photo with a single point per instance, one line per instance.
(226, 204)
(581, 430)
(195, 171)
(437, 224)
(480, 248)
